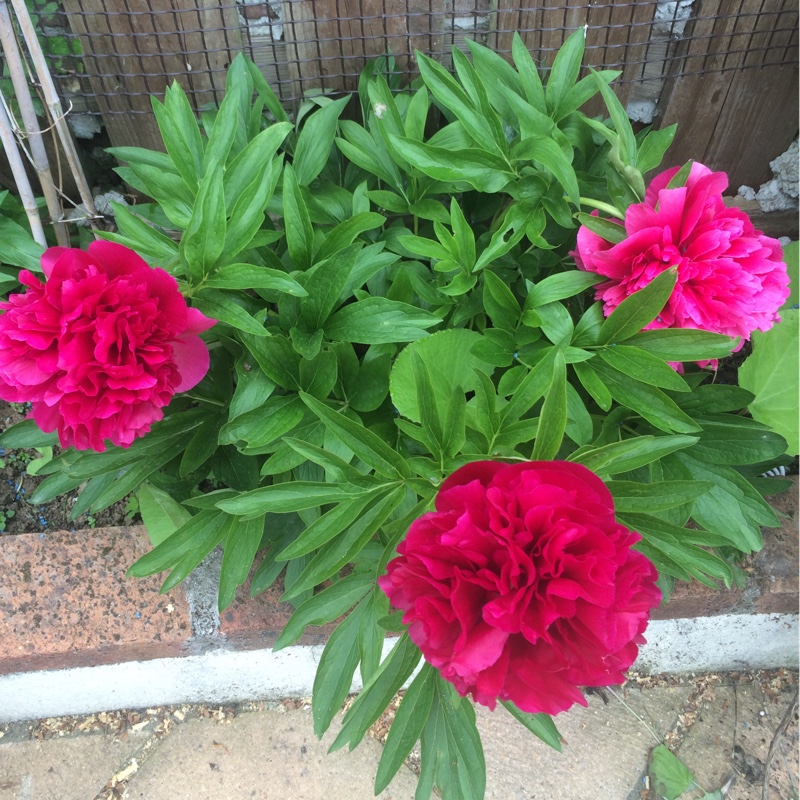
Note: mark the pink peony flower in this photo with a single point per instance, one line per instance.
(522, 586)
(731, 277)
(100, 347)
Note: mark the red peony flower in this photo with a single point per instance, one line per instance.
(731, 277)
(522, 586)
(100, 347)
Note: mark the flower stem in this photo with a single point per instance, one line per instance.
(601, 206)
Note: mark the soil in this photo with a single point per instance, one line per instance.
(18, 515)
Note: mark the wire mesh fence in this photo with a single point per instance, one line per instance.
(134, 48)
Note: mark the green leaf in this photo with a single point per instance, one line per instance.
(201, 533)
(622, 126)
(335, 671)
(529, 75)
(446, 355)
(247, 214)
(566, 67)
(252, 161)
(378, 320)
(434, 749)
(540, 725)
(468, 767)
(324, 284)
(201, 446)
(480, 169)
(551, 156)
(653, 147)
(53, 486)
(507, 236)
(715, 398)
(369, 153)
(146, 240)
(369, 447)
(234, 469)
(326, 527)
(227, 123)
(647, 401)
(448, 92)
(204, 238)
(325, 606)
(643, 366)
(560, 287)
(241, 545)
(731, 442)
(25, 435)
(375, 696)
(248, 276)
(636, 311)
(346, 232)
(297, 222)
(670, 776)
(771, 374)
(619, 457)
(633, 497)
(580, 427)
(682, 344)
(341, 551)
(272, 420)
(316, 140)
(553, 418)
(499, 302)
(161, 514)
(591, 381)
(168, 188)
(283, 497)
(277, 358)
(733, 508)
(409, 721)
(613, 232)
(532, 387)
(220, 306)
(178, 128)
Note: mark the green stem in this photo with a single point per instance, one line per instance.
(601, 206)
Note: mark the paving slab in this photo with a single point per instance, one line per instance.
(605, 752)
(268, 755)
(730, 737)
(75, 767)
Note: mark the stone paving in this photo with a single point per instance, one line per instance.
(721, 726)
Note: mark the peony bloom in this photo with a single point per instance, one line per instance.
(731, 277)
(100, 347)
(522, 586)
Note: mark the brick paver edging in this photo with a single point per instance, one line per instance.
(76, 635)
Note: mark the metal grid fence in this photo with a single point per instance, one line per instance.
(134, 48)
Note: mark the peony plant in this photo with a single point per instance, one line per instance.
(436, 372)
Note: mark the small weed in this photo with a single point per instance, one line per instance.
(5, 515)
(132, 506)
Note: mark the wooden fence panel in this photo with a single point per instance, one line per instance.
(737, 115)
(135, 48)
(329, 41)
(734, 120)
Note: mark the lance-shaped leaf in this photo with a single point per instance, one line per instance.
(636, 311)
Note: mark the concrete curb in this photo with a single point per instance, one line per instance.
(76, 636)
(228, 676)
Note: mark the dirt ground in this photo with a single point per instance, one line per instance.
(19, 515)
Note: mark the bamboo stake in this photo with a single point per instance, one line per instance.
(53, 104)
(20, 176)
(39, 158)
